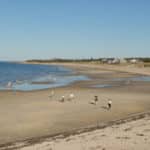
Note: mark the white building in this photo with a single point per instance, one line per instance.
(133, 61)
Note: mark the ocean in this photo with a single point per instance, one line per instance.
(26, 77)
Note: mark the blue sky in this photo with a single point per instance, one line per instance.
(42, 29)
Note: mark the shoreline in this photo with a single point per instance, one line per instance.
(129, 68)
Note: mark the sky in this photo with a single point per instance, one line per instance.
(46, 29)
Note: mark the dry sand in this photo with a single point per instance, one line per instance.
(134, 135)
(34, 115)
(130, 68)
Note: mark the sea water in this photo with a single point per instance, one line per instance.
(26, 77)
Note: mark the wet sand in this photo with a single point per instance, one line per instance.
(31, 115)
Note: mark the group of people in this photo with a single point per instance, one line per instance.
(72, 96)
(62, 99)
(109, 103)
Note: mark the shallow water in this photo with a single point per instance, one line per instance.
(140, 78)
(58, 82)
(126, 81)
(28, 77)
(102, 86)
(135, 78)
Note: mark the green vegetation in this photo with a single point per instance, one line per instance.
(96, 60)
(63, 60)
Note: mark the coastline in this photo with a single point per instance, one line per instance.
(35, 110)
(129, 68)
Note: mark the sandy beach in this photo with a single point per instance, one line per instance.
(133, 135)
(29, 116)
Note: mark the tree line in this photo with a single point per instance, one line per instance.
(143, 59)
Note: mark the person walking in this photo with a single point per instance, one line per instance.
(95, 99)
(109, 104)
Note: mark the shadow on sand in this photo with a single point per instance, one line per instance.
(105, 107)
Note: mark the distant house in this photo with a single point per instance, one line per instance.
(123, 61)
(133, 61)
(113, 61)
(116, 61)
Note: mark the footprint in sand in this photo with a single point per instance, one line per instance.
(139, 134)
(128, 129)
(96, 148)
(125, 137)
(146, 130)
